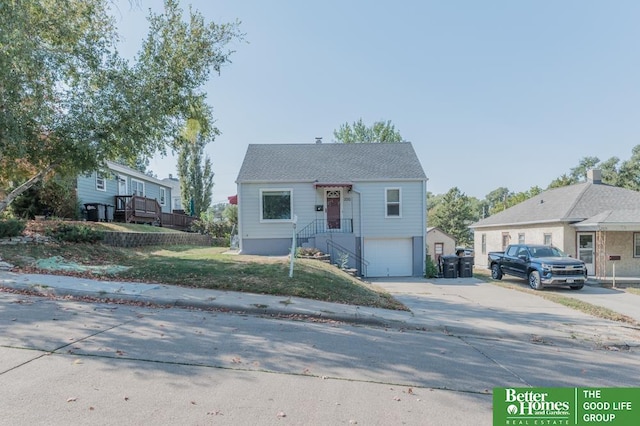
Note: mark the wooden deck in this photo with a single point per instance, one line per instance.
(137, 209)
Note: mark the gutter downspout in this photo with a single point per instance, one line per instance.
(360, 229)
(424, 228)
(240, 239)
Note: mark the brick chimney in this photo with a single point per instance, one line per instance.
(594, 176)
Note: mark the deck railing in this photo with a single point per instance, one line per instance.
(137, 208)
(177, 220)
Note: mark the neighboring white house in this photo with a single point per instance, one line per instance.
(592, 221)
(174, 183)
(363, 201)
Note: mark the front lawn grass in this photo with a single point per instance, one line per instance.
(212, 268)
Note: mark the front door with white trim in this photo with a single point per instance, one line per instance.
(586, 250)
(333, 209)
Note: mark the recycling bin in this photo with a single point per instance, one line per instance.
(108, 212)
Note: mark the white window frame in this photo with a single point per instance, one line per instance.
(163, 196)
(636, 244)
(101, 182)
(521, 238)
(134, 187)
(264, 190)
(388, 203)
(547, 236)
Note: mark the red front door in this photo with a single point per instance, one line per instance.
(333, 209)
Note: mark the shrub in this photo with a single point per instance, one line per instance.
(307, 251)
(11, 228)
(75, 233)
(431, 270)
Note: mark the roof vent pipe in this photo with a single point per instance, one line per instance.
(594, 176)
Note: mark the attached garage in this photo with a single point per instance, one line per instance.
(389, 257)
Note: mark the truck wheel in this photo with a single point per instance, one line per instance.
(496, 272)
(576, 287)
(534, 280)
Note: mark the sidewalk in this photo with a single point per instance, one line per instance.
(462, 306)
(168, 295)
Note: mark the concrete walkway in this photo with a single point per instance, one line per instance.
(456, 306)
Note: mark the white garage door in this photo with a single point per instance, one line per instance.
(389, 257)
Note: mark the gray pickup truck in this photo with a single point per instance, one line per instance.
(540, 265)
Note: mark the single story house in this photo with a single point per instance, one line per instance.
(123, 194)
(591, 220)
(362, 203)
(439, 243)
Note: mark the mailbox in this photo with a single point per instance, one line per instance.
(614, 257)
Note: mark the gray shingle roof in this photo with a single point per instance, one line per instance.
(567, 204)
(330, 162)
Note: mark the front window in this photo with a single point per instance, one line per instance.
(101, 183)
(163, 196)
(392, 200)
(636, 244)
(484, 243)
(547, 239)
(505, 240)
(520, 238)
(137, 187)
(276, 204)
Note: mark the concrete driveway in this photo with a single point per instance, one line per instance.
(470, 305)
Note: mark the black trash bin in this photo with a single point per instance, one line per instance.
(449, 266)
(465, 266)
(95, 212)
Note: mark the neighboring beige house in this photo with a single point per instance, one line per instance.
(592, 221)
(439, 243)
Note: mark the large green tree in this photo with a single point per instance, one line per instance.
(196, 176)
(453, 214)
(69, 102)
(358, 132)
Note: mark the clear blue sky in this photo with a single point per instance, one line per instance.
(490, 93)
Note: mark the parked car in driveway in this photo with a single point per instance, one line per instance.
(540, 265)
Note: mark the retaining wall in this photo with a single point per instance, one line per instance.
(135, 239)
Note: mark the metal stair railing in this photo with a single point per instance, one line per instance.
(334, 248)
(321, 226)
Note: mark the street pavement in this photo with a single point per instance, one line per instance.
(461, 306)
(63, 361)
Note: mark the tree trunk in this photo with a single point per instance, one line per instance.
(24, 187)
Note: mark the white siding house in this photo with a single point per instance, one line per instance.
(364, 201)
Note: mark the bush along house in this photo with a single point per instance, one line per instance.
(363, 204)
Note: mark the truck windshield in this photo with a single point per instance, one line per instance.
(546, 252)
